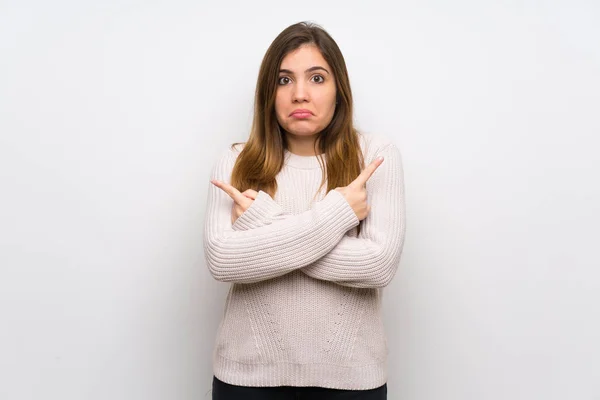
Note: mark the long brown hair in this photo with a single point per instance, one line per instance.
(262, 157)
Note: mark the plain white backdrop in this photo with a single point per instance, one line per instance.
(112, 114)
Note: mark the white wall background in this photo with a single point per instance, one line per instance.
(112, 113)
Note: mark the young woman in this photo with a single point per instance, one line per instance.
(306, 220)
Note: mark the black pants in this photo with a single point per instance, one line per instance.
(225, 391)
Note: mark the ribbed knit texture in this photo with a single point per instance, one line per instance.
(304, 307)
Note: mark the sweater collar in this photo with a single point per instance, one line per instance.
(302, 162)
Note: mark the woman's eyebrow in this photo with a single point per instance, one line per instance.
(311, 69)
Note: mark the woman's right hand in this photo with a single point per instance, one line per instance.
(241, 201)
(356, 192)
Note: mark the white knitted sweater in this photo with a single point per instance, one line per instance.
(304, 307)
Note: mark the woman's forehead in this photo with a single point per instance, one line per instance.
(303, 58)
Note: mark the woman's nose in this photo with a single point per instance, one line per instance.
(300, 93)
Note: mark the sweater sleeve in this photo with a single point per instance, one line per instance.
(371, 259)
(275, 248)
(263, 211)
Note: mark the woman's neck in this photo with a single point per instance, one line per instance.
(302, 145)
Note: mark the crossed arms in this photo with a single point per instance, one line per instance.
(264, 242)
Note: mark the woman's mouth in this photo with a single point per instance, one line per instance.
(301, 114)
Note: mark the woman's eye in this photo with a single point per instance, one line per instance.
(318, 79)
(284, 80)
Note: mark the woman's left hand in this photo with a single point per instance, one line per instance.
(241, 201)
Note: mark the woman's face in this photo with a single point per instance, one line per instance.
(306, 92)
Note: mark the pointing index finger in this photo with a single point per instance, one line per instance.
(364, 176)
(230, 190)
